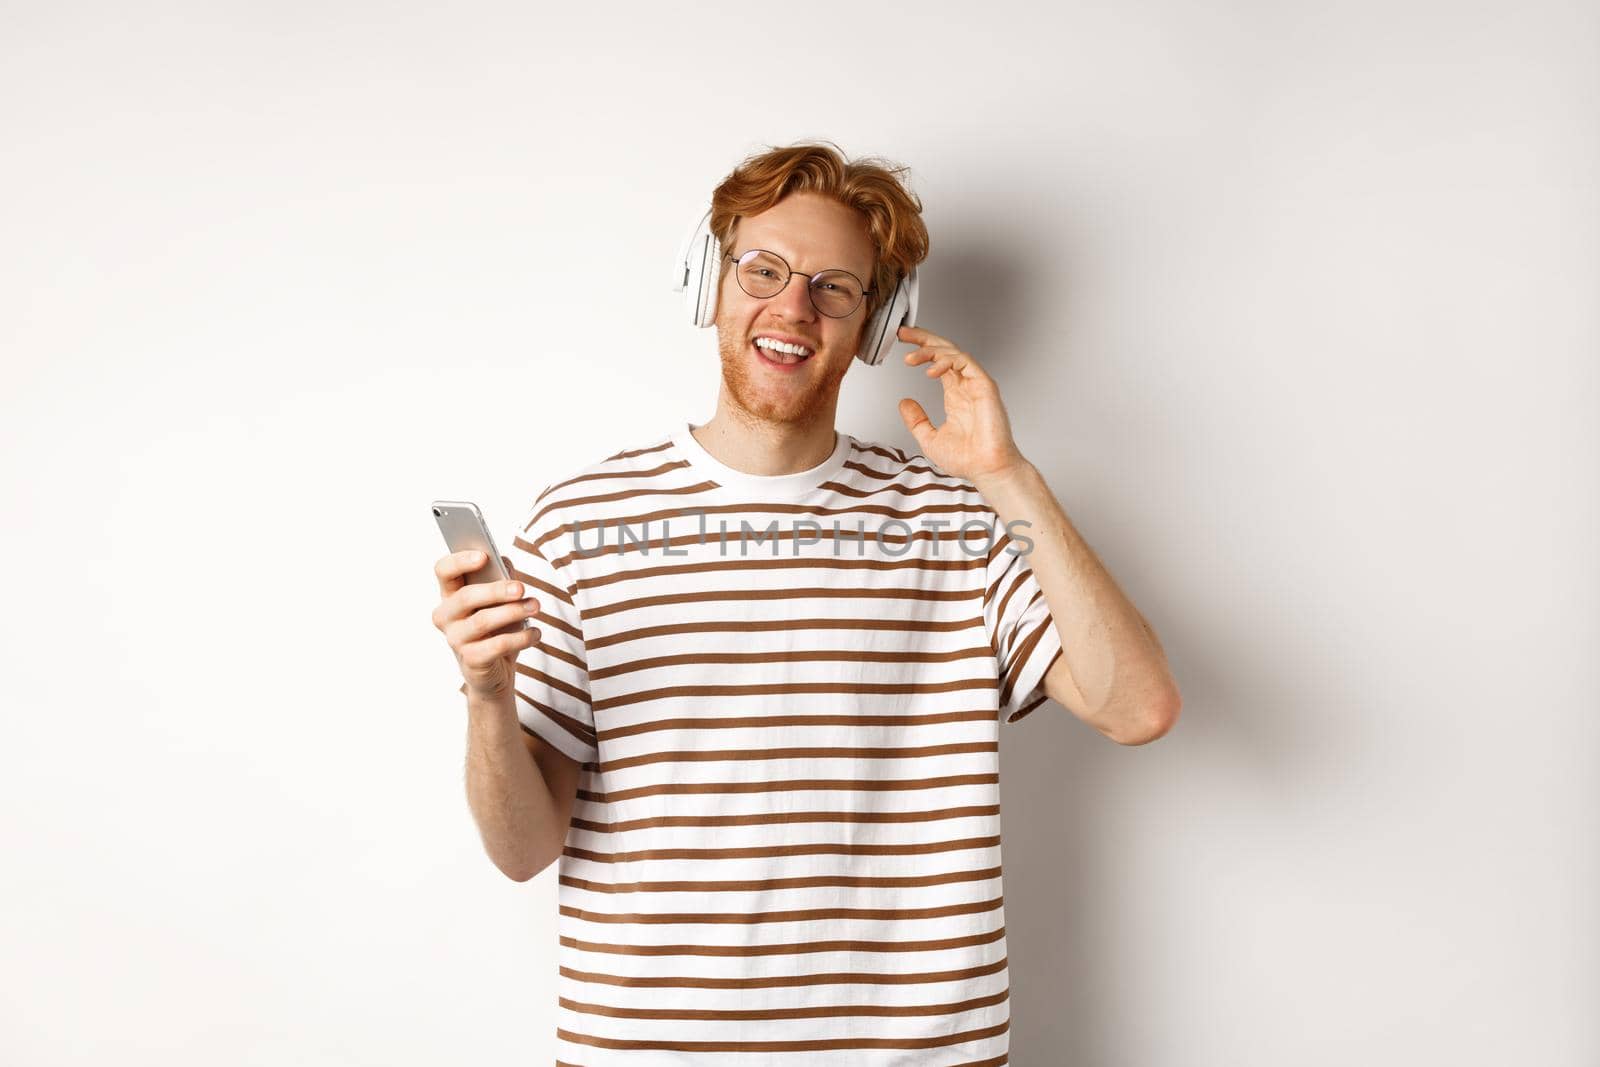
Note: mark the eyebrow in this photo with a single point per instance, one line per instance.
(789, 259)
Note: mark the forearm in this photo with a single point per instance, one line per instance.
(510, 801)
(1114, 656)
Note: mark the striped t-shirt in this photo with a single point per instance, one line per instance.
(786, 694)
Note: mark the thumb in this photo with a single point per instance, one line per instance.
(917, 421)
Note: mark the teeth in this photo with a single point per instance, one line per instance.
(793, 350)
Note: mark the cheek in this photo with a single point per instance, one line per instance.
(849, 336)
(730, 295)
(736, 307)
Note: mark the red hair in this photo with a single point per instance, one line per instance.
(871, 186)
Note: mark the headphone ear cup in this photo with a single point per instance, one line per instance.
(710, 275)
(870, 334)
(883, 329)
(696, 268)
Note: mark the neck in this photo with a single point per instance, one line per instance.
(760, 447)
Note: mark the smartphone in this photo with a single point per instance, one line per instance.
(464, 530)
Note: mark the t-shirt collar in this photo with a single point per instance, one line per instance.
(759, 486)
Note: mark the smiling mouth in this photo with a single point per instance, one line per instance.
(777, 358)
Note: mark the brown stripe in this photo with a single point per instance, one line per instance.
(792, 593)
(1023, 615)
(782, 625)
(561, 719)
(905, 466)
(554, 683)
(545, 619)
(628, 494)
(766, 539)
(787, 948)
(534, 733)
(665, 444)
(877, 450)
(763, 721)
(750, 755)
(1017, 644)
(820, 1011)
(797, 563)
(597, 476)
(1042, 697)
(785, 981)
(786, 786)
(911, 468)
(789, 688)
(819, 848)
(894, 488)
(794, 915)
(540, 584)
(787, 1046)
(829, 655)
(550, 590)
(1020, 657)
(762, 885)
(662, 446)
(788, 817)
(558, 653)
(1001, 543)
(703, 517)
(1017, 581)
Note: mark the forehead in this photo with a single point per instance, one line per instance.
(811, 232)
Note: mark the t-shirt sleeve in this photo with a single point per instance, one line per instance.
(1020, 626)
(552, 682)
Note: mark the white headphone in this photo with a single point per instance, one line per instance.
(698, 268)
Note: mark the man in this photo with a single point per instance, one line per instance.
(758, 720)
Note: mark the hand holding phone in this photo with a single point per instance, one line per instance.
(484, 613)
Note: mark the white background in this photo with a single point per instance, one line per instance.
(1294, 305)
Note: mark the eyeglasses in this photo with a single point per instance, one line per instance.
(763, 274)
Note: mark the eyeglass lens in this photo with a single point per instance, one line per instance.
(836, 293)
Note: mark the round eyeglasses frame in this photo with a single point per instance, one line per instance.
(738, 261)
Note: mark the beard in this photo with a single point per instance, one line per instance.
(799, 399)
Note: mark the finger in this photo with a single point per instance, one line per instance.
(915, 415)
(451, 569)
(487, 594)
(486, 622)
(960, 362)
(481, 654)
(916, 335)
(932, 356)
(470, 598)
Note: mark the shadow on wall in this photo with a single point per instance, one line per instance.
(975, 291)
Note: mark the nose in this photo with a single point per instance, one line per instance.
(795, 299)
